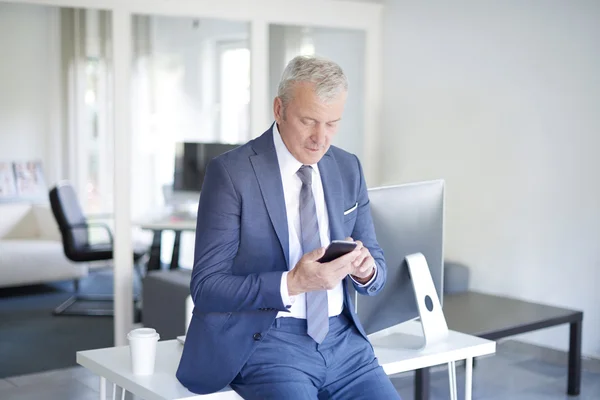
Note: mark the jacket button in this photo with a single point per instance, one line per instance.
(372, 289)
(257, 336)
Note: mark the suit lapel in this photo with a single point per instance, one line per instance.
(268, 175)
(332, 187)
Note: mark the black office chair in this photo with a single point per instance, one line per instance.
(75, 230)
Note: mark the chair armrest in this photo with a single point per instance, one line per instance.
(88, 225)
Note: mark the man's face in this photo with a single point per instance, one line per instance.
(308, 125)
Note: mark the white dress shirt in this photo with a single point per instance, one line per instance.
(288, 166)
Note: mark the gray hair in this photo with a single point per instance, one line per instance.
(328, 77)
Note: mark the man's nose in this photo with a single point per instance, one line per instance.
(319, 134)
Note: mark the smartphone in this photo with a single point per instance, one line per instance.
(337, 248)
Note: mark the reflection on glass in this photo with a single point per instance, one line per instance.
(344, 46)
(99, 164)
(85, 42)
(234, 93)
(191, 83)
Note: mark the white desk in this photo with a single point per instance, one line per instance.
(114, 363)
(166, 220)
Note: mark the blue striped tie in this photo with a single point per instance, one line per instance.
(317, 310)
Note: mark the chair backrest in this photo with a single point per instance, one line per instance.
(68, 214)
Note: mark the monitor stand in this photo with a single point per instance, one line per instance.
(433, 322)
(432, 328)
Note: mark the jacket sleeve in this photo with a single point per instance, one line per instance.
(213, 287)
(365, 232)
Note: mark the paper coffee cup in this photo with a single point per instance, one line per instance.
(142, 344)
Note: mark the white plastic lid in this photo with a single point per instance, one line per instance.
(142, 333)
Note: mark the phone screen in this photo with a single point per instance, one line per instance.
(337, 248)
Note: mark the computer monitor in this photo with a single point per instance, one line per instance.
(191, 160)
(408, 219)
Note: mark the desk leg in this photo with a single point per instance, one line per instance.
(452, 380)
(102, 388)
(468, 378)
(154, 261)
(176, 245)
(422, 384)
(574, 381)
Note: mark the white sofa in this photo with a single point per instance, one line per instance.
(31, 249)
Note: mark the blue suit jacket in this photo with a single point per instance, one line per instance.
(242, 250)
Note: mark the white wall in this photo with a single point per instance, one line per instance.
(29, 85)
(502, 100)
(347, 48)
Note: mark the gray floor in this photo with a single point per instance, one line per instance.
(29, 328)
(516, 372)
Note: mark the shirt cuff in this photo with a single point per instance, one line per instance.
(370, 280)
(287, 300)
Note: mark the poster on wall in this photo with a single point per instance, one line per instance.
(22, 180)
(29, 179)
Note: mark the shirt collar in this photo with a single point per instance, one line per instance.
(287, 162)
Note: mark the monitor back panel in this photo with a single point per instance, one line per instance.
(408, 219)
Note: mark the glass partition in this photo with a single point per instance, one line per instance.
(92, 61)
(55, 99)
(190, 84)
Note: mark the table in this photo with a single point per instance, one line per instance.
(495, 317)
(114, 364)
(163, 221)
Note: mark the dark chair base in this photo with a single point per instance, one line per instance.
(71, 306)
(101, 305)
(92, 305)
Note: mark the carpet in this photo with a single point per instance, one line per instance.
(32, 339)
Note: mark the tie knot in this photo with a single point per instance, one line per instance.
(305, 174)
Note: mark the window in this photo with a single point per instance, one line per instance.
(98, 169)
(234, 92)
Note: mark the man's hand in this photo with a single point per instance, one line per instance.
(363, 267)
(310, 275)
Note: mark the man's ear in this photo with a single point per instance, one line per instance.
(278, 110)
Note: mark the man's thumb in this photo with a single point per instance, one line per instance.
(316, 253)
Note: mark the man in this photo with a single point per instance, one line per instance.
(269, 319)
